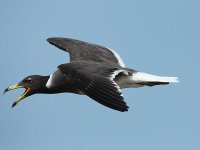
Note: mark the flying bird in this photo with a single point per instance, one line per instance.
(93, 70)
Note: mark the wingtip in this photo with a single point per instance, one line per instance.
(124, 109)
(53, 39)
(50, 39)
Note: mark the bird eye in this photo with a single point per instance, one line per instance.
(28, 80)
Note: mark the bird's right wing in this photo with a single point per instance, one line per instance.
(98, 87)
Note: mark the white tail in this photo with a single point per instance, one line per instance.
(144, 77)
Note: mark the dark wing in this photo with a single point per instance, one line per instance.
(83, 51)
(100, 88)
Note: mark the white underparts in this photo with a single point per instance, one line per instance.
(119, 59)
(49, 82)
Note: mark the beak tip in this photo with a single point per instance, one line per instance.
(6, 90)
(14, 104)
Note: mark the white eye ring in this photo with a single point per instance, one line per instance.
(29, 80)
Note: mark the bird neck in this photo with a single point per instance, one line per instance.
(47, 89)
(43, 88)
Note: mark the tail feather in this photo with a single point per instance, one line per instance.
(146, 79)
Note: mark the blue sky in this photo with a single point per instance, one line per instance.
(158, 37)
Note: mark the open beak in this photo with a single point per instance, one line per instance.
(16, 86)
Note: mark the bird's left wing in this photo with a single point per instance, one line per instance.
(84, 51)
(100, 88)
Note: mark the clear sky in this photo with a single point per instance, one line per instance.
(161, 37)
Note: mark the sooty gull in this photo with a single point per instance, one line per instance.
(94, 70)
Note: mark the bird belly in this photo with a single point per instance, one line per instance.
(139, 79)
(127, 82)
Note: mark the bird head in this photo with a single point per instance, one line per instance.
(32, 84)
